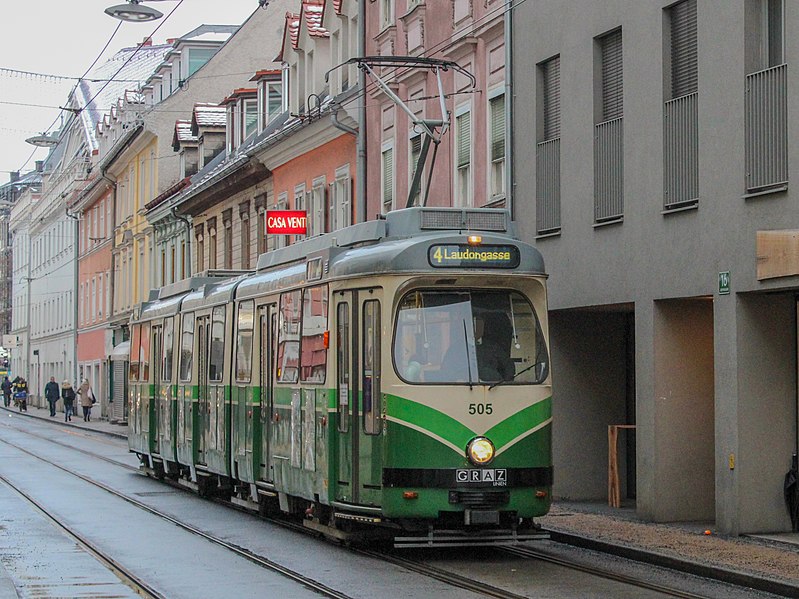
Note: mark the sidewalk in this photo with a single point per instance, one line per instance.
(765, 562)
(97, 425)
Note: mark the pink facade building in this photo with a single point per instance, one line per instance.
(470, 167)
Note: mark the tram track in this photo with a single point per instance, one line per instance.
(127, 576)
(259, 560)
(440, 574)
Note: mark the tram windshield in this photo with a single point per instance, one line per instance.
(469, 337)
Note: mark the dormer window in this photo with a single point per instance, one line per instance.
(249, 118)
(198, 57)
(271, 97)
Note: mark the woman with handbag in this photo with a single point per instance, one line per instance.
(86, 399)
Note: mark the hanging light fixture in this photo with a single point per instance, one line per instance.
(43, 141)
(133, 11)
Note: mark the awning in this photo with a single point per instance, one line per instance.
(121, 352)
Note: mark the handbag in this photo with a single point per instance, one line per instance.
(94, 399)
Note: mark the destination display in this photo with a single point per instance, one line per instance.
(468, 256)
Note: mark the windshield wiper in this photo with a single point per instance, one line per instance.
(468, 360)
(513, 378)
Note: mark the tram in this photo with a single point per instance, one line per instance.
(390, 379)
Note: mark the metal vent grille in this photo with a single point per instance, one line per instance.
(486, 221)
(480, 499)
(473, 220)
(441, 219)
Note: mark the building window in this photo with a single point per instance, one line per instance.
(386, 13)
(548, 149)
(212, 244)
(608, 138)
(773, 28)
(318, 207)
(414, 152)
(342, 199)
(249, 118)
(227, 221)
(681, 117)
(496, 107)
(198, 57)
(300, 204)
(683, 40)
(463, 157)
(274, 100)
(200, 248)
(244, 219)
(387, 175)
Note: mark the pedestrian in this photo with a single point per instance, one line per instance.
(86, 399)
(21, 393)
(68, 394)
(51, 394)
(6, 387)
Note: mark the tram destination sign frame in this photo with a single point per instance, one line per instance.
(462, 255)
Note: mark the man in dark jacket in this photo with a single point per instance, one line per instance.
(6, 392)
(52, 393)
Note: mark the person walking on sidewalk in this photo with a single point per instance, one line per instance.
(68, 394)
(51, 394)
(21, 394)
(6, 387)
(86, 399)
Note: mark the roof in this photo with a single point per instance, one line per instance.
(208, 115)
(311, 13)
(241, 92)
(98, 93)
(267, 74)
(183, 134)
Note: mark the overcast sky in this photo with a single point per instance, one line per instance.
(63, 37)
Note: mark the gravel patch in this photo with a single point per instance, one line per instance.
(744, 554)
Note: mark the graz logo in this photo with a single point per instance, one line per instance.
(491, 476)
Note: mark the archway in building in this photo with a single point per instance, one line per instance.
(593, 365)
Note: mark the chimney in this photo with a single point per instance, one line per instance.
(146, 42)
(14, 176)
(40, 166)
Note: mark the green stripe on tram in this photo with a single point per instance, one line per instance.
(425, 418)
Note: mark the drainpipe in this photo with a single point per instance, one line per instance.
(360, 183)
(75, 287)
(508, 103)
(186, 222)
(337, 123)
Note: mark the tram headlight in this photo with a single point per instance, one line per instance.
(480, 451)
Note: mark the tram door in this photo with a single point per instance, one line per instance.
(267, 323)
(203, 324)
(157, 404)
(358, 399)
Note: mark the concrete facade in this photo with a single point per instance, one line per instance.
(712, 379)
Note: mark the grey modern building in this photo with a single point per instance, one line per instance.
(653, 149)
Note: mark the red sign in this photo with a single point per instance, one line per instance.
(286, 222)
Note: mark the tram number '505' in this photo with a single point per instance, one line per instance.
(481, 408)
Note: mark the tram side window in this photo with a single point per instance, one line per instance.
(370, 382)
(343, 364)
(133, 369)
(313, 350)
(216, 360)
(144, 353)
(244, 328)
(187, 347)
(288, 344)
(166, 365)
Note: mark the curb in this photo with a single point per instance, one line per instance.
(116, 435)
(742, 579)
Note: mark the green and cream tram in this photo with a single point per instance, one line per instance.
(389, 378)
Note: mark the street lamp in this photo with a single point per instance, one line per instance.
(133, 11)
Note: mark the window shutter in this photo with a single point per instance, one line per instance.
(388, 176)
(612, 71)
(464, 139)
(551, 72)
(498, 128)
(684, 78)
